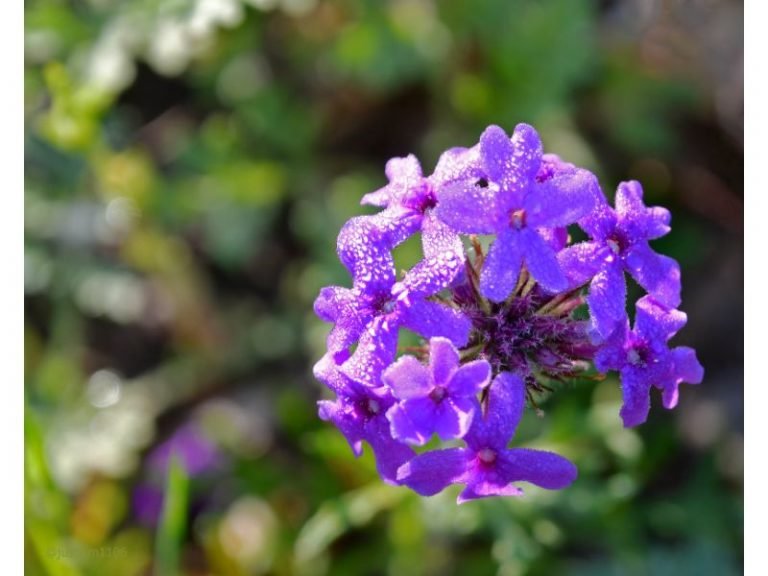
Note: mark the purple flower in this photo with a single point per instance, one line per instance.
(408, 199)
(147, 503)
(620, 243)
(408, 191)
(513, 311)
(486, 466)
(513, 202)
(407, 187)
(440, 398)
(643, 359)
(196, 451)
(373, 311)
(360, 414)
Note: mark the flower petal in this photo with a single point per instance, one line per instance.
(527, 150)
(457, 164)
(497, 152)
(637, 219)
(350, 427)
(375, 351)
(327, 371)
(365, 253)
(403, 174)
(506, 401)
(658, 274)
(390, 454)
(443, 360)
(380, 198)
(443, 260)
(346, 308)
(430, 319)
(453, 417)
(601, 223)
(541, 261)
(469, 207)
(487, 482)
(635, 390)
(545, 469)
(430, 472)
(655, 322)
(470, 379)
(413, 421)
(685, 367)
(611, 354)
(335, 301)
(501, 268)
(580, 262)
(407, 378)
(607, 299)
(563, 199)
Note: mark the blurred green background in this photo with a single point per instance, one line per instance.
(188, 165)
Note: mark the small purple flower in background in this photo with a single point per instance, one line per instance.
(486, 465)
(499, 327)
(440, 398)
(147, 503)
(644, 360)
(195, 451)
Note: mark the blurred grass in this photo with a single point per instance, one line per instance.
(188, 166)
(173, 520)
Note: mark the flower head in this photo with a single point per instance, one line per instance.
(498, 325)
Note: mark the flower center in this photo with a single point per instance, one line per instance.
(385, 304)
(420, 198)
(638, 355)
(373, 406)
(437, 394)
(517, 219)
(487, 456)
(614, 245)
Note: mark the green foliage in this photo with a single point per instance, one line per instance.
(173, 521)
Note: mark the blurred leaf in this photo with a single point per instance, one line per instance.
(45, 508)
(72, 122)
(334, 518)
(642, 110)
(173, 520)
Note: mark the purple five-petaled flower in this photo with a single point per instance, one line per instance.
(439, 398)
(487, 466)
(377, 306)
(513, 202)
(620, 243)
(643, 359)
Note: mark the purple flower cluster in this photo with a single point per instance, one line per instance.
(500, 324)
